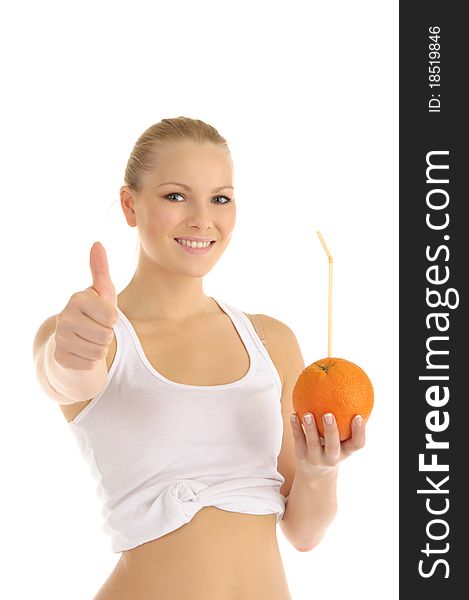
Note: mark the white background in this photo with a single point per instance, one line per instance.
(306, 94)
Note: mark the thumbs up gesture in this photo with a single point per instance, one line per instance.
(84, 327)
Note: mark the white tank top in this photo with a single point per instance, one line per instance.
(161, 450)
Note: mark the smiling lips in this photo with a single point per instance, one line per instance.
(194, 247)
(193, 243)
(194, 239)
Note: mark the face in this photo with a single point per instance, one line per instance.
(198, 203)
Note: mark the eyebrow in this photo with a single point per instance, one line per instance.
(189, 188)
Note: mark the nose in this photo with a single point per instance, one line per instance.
(201, 217)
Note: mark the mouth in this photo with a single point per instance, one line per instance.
(195, 250)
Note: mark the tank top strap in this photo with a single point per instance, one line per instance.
(122, 332)
(258, 327)
(256, 336)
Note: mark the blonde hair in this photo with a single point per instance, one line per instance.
(143, 157)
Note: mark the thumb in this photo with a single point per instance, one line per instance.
(102, 283)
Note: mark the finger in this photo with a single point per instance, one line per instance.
(312, 438)
(357, 440)
(301, 446)
(332, 446)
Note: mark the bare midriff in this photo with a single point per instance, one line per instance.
(218, 555)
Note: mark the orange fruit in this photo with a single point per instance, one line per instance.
(333, 385)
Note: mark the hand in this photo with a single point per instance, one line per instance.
(310, 454)
(84, 328)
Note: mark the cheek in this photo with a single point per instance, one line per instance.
(160, 222)
(229, 219)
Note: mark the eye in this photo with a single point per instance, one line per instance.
(225, 197)
(172, 194)
(227, 200)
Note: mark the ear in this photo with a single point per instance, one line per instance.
(127, 198)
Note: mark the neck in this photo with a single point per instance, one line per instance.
(164, 295)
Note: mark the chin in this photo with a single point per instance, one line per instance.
(194, 270)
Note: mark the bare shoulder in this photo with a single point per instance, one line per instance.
(278, 333)
(283, 347)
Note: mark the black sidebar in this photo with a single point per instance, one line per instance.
(433, 297)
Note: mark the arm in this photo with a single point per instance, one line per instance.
(309, 469)
(311, 507)
(314, 504)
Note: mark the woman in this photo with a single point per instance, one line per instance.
(188, 429)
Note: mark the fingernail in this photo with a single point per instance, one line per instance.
(293, 418)
(308, 418)
(328, 417)
(358, 420)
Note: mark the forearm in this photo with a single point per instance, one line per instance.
(310, 508)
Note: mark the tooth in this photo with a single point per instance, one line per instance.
(193, 244)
